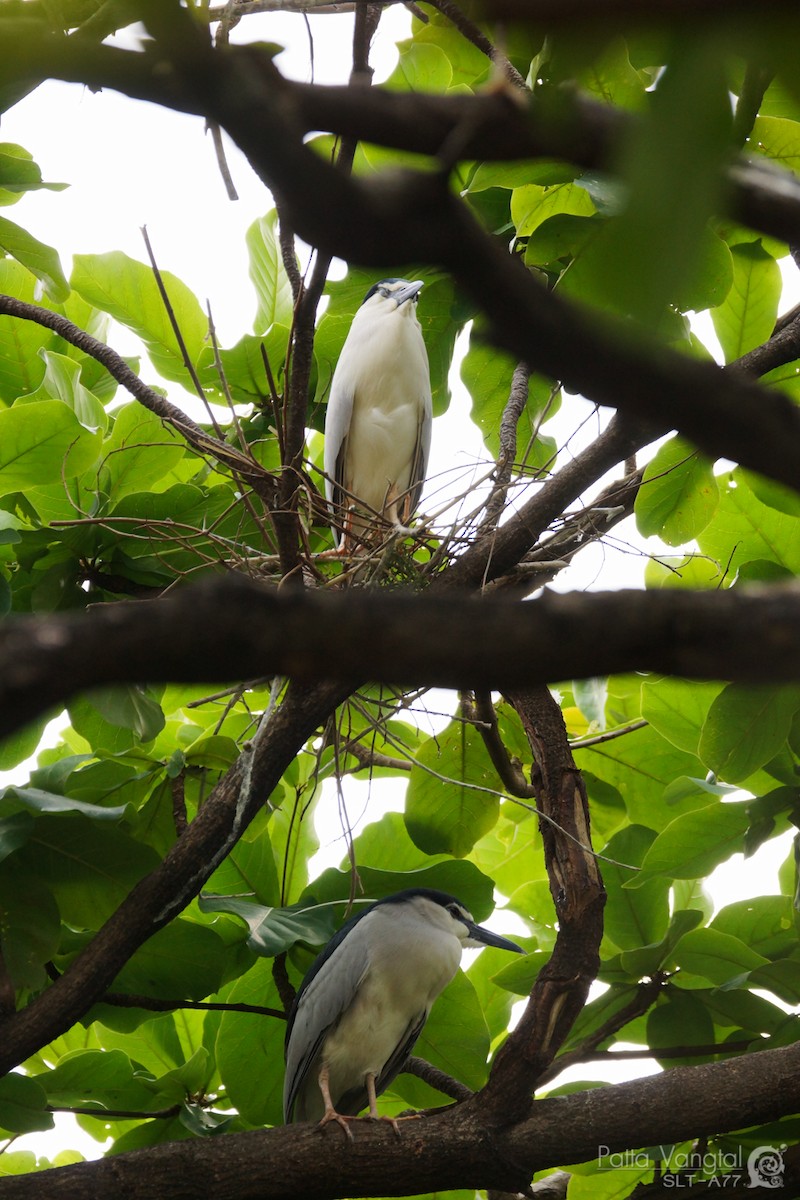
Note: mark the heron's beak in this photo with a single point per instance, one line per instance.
(478, 936)
(409, 292)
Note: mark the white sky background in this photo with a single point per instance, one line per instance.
(131, 164)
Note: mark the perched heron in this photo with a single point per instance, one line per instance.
(378, 422)
(365, 999)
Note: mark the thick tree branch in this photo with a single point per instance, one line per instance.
(561, 987)
(751, 635)
(439, 1152)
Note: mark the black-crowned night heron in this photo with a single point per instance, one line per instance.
(378, 421)
(365, 999)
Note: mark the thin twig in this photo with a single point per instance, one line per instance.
(484, 718)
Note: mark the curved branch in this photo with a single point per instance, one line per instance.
(245, 465)
(161, 895)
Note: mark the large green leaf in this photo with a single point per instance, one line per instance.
(746, 317)
(140, 450)
(20, 174)
(487, 373)
(29, 921)
(633, 916)
(678, 708)
(778, 139)
(696, 842)
(267, 272)
(62, 381)
(746, 727)
(90, 865)
(275, 930)
(459, 878)
(105, 1078)
(246, 1042)
(43, 442)
(183, 960)
(444, 814)
(678, 496)
(40, 259)
(744, 530)
(22, 1105)
(128, 291)
(719, 958)
(679, 1019)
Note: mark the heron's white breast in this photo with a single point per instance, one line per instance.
(410, 963)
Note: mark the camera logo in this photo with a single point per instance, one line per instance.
(765, 1167)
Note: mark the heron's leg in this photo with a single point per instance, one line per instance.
(393, 501)
(330, 1113)
(373, 1108)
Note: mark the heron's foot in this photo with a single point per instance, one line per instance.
(343, 1121)
(393, 1121)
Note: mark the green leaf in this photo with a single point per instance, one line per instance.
(90, 865)
(778, 139)
(646, 960)
(62, 381)
(21, 368)
(590, 697)
(275, 930)
(29, 921)
(38, 801)
(40, 259)
(746, 726)
(457, 877)
(487, 373)
(105, 1078)
(245, 1042)
(421, 68)
(21, 745)
(679, 1019)
(639, 766)
(696, 842)
(532, 205)
(678, 708)
(127, 290)
(746, 317)
(678, 496)
(140, 451)
(274, 292)
(42, 442)
(764, 923)
(447, 815)
(743, 530)
(182, 960)
(633, 916)
(20, 174)
(22, 1105)
(14, 832)
(717, 957)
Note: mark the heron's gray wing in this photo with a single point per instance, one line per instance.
(327, 991)
(338, 416)
(419, 464)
